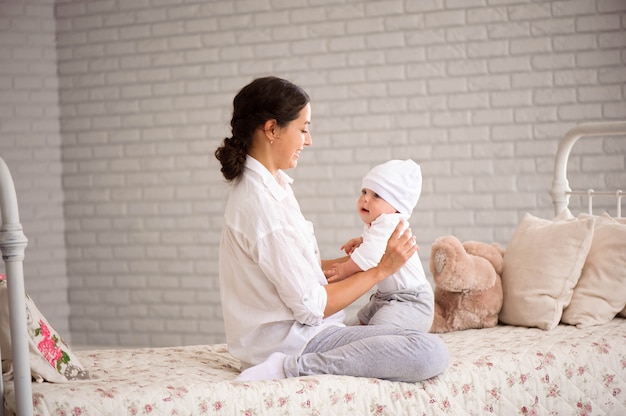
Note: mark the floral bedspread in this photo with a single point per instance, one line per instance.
(503, 371)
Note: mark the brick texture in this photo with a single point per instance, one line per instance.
(110, 113)
(31, 146)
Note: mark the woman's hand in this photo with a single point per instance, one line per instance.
(400, 247)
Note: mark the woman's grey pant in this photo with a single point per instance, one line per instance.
(379, 351)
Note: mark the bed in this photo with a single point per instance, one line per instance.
(569, 359)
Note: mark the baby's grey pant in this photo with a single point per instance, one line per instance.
(407, 309)
(379, 351)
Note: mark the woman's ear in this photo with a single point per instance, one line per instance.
(270, 128)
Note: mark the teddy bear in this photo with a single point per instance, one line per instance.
(468, 285)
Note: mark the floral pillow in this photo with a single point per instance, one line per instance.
(51, 358)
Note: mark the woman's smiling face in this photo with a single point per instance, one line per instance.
(291, 139)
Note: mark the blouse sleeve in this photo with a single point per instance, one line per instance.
(289, 260)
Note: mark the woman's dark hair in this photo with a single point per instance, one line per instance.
(261, 100)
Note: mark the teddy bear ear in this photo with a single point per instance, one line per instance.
(448, 243)
(499, 248)
(490, 252)
(437, 261)
(444, 254)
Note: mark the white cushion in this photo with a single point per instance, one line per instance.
(542, 264)
(601, 291)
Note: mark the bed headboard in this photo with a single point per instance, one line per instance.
(12, 244)
(561, 190)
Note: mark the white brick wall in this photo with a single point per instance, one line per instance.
(478, 94)
(30, 144)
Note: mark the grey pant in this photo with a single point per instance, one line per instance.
(408, 309)
(379, 351)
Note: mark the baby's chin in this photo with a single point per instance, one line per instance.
(364, 217)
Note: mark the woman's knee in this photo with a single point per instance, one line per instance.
(433, 356)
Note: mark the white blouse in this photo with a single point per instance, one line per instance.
(271, 281)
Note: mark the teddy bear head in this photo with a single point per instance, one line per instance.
(468, 287)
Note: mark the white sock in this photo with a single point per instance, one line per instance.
(270, 369)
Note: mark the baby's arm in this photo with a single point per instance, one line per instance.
(351, 245)
(340, 271)
(327, 264)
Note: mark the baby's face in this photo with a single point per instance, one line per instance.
(370, 205)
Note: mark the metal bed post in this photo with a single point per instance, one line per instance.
(12, 244)
(560, 186)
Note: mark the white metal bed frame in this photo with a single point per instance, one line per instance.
(561, 190)
(13, 243)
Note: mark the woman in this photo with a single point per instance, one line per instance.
(282, 318)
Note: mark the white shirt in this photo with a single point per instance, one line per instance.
(271, 281)
(368, 255)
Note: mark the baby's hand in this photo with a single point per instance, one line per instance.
(351, 245)
(334, 273)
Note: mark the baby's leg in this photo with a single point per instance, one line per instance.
(411, 315)
(353, 321)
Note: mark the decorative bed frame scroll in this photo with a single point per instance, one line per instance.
(561, 190)
(13, 243)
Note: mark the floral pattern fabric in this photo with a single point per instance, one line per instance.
(51, 358)
(504, 370)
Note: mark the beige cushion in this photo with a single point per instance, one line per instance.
(601, 290)
(51, 358)
(542, 264)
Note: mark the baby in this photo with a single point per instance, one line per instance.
(388, 195)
